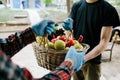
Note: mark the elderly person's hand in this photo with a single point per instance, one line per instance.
(76, 57)
(44, 27)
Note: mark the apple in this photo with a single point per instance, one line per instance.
(59, 45)
(55, 28)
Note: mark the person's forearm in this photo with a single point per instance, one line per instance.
(63, 72)
(11, 71)
(96, 51)
(104, 40)
(17, 41)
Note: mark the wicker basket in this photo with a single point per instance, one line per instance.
(50, 58)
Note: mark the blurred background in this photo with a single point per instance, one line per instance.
(46, 8)
(16, 15)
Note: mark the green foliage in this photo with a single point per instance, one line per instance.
(1, 0)
(47, 1)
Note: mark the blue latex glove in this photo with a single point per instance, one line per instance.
(77, 57)
(68, 24)
(43, 27)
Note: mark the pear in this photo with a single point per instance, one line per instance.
(76, 42)
(50, 45)
(59, 45)
(78, 46)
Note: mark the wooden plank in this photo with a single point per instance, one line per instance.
(20, 16)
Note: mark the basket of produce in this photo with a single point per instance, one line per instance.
(50, 51)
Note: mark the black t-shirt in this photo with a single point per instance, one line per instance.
(89, 18)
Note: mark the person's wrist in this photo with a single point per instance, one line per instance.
(70, 60)
(35, 34)
(85, 59)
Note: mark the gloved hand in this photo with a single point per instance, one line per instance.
(77, 57)
(68, 24)
(43, 27)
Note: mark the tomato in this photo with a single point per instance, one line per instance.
(70, 43)
(62, 38)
